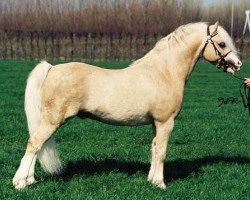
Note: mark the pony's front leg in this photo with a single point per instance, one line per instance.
(152, 167)
(25, 174)
(159, 147)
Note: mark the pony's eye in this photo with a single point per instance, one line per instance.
(222, 44)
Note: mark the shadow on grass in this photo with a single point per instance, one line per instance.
(174, 170)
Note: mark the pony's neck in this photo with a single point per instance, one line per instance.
(189, 52)
(176, 55)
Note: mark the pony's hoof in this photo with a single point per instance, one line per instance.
(159, 184)
(150, 178)
(19, 183)
(162, 186)
(31, 180)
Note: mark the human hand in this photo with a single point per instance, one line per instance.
(247, 82)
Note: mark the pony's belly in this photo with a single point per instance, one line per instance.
(129, 120)
(119, 110)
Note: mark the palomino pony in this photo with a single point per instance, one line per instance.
(149, 91)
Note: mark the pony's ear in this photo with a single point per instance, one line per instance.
(215, 27)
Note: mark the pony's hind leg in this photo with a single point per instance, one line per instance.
(159, 147)
(25, 173)
(31, 179)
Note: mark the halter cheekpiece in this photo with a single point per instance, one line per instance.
(222, 62)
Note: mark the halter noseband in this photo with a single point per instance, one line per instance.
(222, 62)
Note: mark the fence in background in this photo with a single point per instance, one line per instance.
(74, 46)
(19, 45)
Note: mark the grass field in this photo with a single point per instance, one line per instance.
(208, 153)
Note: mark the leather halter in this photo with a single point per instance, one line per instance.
(221, 61)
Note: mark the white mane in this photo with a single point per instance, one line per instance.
(176, 39)
(179, 39)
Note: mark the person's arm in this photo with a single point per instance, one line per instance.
(247, 82)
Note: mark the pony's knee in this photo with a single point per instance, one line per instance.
(162, 156)
(161, 152)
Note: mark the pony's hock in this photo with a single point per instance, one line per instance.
(149, 91)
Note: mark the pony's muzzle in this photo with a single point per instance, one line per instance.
(238, 65)
(235, 64)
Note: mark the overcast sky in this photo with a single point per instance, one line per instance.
(209, 2)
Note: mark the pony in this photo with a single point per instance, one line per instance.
(149, 91)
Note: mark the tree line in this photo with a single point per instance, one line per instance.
(44, 24)
(116, 16)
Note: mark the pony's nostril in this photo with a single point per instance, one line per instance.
(239, 64)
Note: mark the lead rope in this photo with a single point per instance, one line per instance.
(244, 93)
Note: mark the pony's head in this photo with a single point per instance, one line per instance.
(219, 49)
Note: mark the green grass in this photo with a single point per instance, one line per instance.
(208, 152)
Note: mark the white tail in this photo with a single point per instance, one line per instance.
(47, 155)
